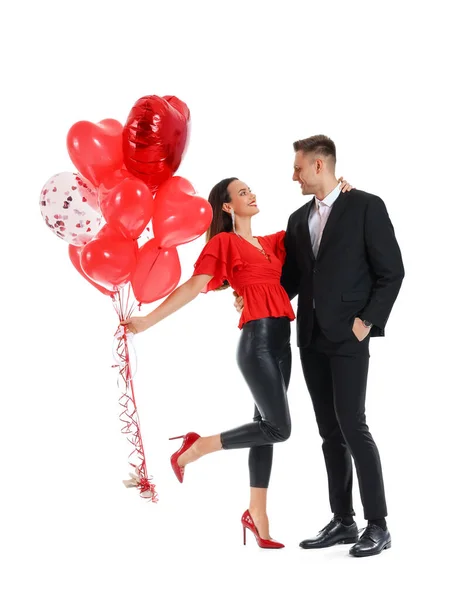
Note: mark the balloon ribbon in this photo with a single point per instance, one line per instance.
(123, 345)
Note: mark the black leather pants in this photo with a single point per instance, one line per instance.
(264, 357)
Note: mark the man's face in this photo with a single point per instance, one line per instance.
(305, 171)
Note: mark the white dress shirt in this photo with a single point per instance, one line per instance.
(319, 215)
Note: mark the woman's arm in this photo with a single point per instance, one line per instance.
(179, 298)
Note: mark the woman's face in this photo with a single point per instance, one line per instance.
(242, 200)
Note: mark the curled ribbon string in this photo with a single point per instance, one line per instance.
(125, 360)
(121, 337)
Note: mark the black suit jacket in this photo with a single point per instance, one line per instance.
(358, 270)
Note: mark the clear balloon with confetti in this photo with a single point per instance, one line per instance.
(69, 207)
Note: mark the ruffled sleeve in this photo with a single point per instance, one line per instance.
(276, 242)
(218, 258)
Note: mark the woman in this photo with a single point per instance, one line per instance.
(252, 266)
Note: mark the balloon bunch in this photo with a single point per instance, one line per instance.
(123, 214)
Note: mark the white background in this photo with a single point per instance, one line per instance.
(390, 83)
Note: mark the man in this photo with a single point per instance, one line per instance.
(345, 265)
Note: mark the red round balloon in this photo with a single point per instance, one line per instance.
(154, 138)
(96, 149)
(179, 215)
(110, 258)
(128, 206)
(75, 256)
(157, 273)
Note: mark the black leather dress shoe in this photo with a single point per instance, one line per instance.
(334, 533)
(373, 541)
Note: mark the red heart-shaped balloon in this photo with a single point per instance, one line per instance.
(179, 215)
(179, 105)
(154, 138)
(75, 256)
(110, 258)
(96, 148)
(128, 205)
(157, 273)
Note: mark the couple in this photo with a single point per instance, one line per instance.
(340, 256)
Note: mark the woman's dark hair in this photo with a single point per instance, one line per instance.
(221, 220)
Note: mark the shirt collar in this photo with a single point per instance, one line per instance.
(332, 196)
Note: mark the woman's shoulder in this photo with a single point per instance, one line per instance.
(274, 237)
(276, 242)
(278, 233)
(220, 242)
(224, 235)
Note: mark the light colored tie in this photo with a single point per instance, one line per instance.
(323, 216)
(322, 211)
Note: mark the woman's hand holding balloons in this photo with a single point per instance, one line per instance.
(136, 324)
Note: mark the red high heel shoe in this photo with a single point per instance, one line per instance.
(247, 523)
(188, 441)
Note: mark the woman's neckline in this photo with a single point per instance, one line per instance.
(261, 250)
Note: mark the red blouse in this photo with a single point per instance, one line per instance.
(253, 276)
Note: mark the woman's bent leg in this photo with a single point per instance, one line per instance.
(261, 347)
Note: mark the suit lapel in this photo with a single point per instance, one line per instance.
(338, 209)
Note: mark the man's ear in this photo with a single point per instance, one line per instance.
(318, 165)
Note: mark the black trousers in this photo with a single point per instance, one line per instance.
(336, 377)
(264, 358)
